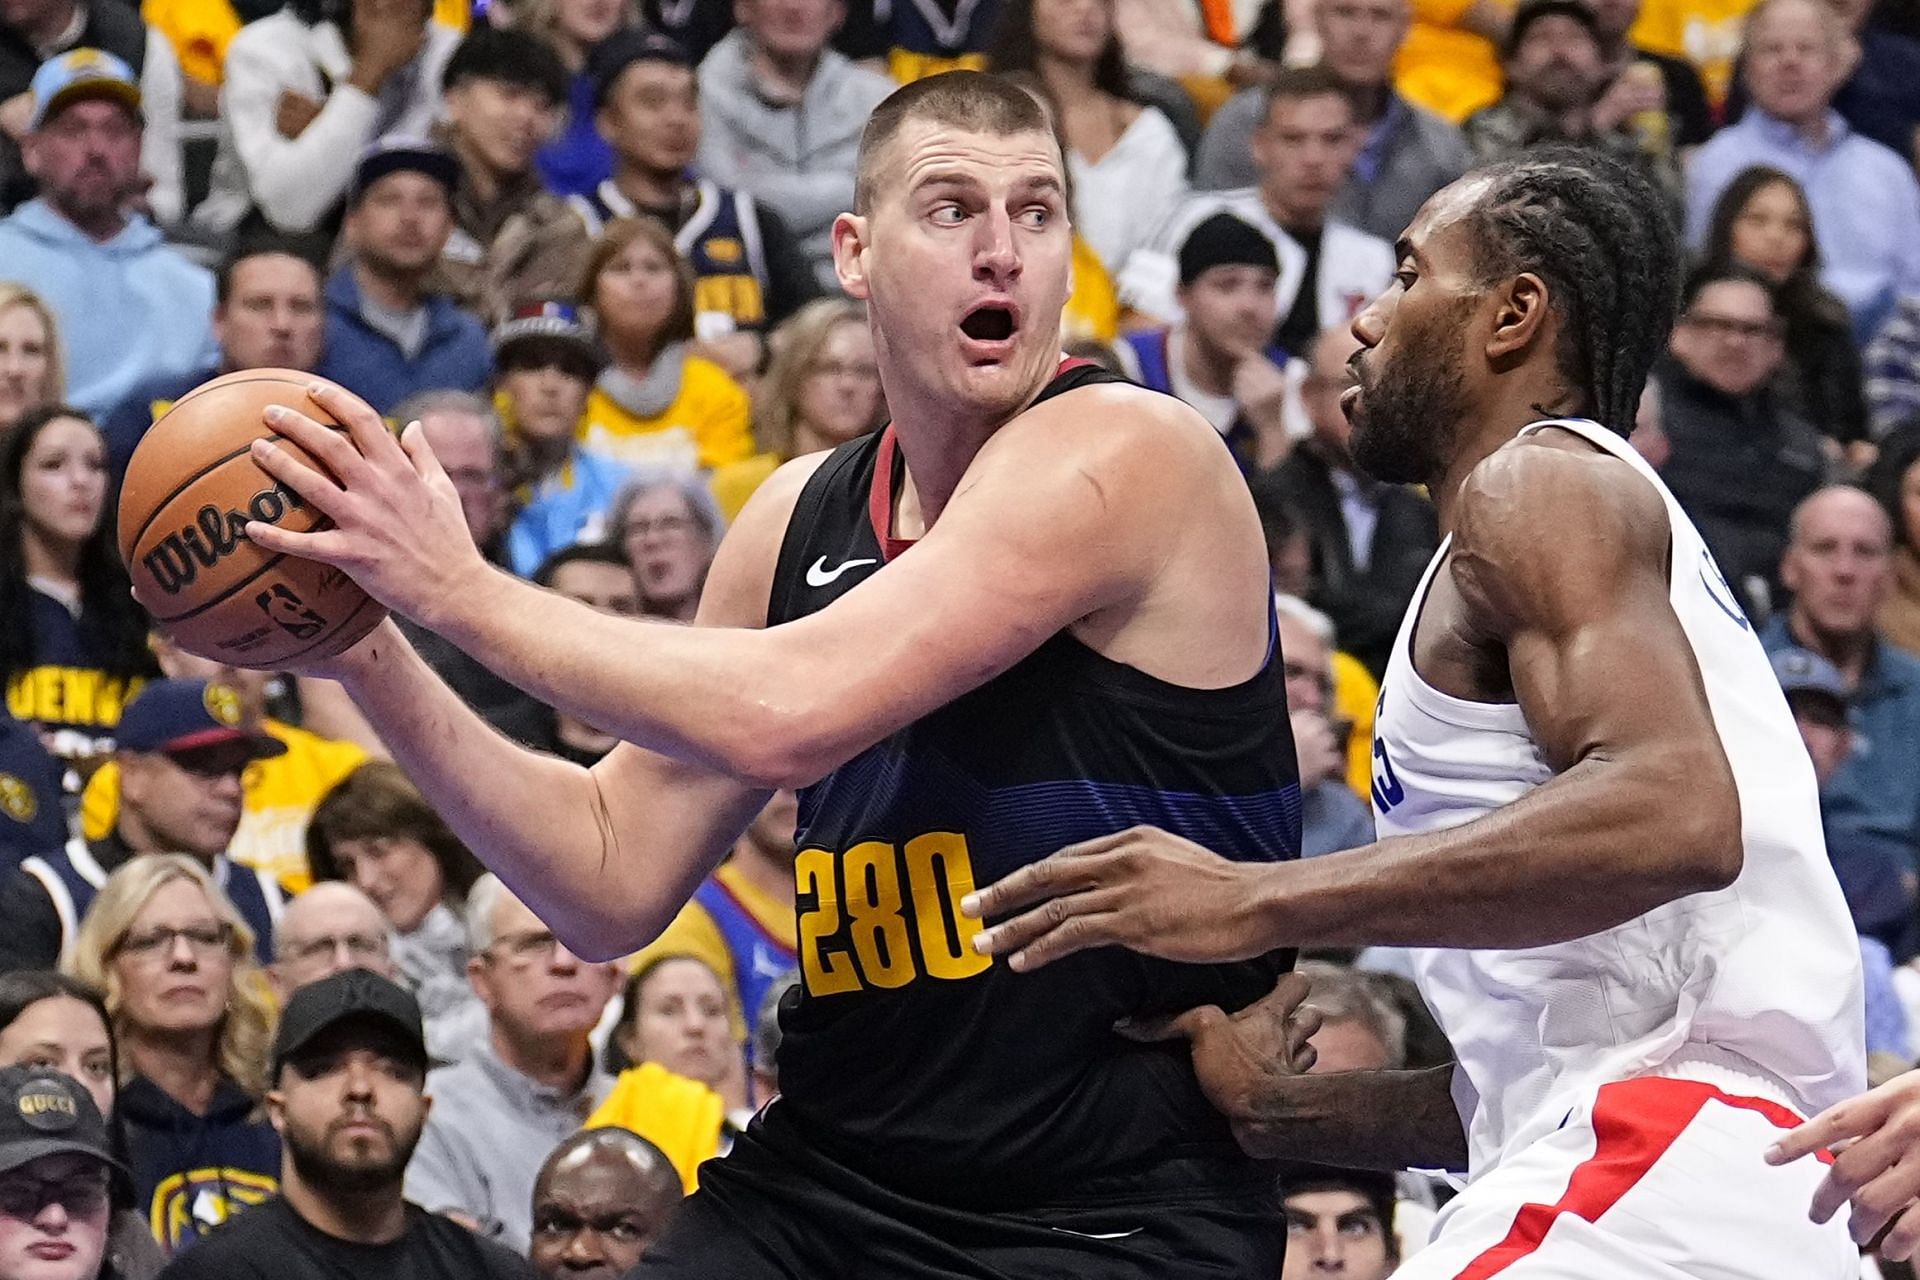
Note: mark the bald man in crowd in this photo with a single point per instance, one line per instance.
(330, 928)
(599, 1201)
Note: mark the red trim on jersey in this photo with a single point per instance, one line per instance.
(880, 496)
(1634, 1122)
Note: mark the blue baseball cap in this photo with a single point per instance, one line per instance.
(177, 716)
(78, 74)
(1805, 673)
(32, 817)
(403, 155)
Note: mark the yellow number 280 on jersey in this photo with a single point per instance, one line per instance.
(880, 916)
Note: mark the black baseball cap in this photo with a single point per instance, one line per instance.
(403, 155)
(356, 994)
(45, 1113)
(624, 48)
(1531, 11)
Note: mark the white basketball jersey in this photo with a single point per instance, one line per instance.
(1763, 976)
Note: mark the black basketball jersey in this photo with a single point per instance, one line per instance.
(942, 1072)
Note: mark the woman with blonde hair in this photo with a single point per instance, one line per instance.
(193, 1017)
(821, 389)
(31, 373)
(655, 401)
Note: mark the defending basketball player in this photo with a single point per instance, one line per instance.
(1034, 610)
(1600, 830)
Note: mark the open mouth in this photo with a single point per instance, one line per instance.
(990, 323)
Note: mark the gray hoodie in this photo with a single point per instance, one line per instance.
(798, 159)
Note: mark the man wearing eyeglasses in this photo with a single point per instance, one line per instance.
(329, 929)
(182, 748)
(55, 1163)
(1741, 459)
(349, 1100)
(531, 1082)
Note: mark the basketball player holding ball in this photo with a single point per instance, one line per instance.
(1033, 610)
(1601, 833)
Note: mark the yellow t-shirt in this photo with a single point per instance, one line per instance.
(707, 425)
(694, 932)
(1707, 33)
(1093, 308)
(1444, 67)
(680, 1116)
(279, 797)
(734, 483)
(198, 30)
(1355, 695)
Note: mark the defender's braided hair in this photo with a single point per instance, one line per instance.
(1601, 236)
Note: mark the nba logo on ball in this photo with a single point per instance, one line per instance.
(192, 487)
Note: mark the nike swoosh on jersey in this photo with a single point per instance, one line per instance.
(818, 575)
(1100, 1235)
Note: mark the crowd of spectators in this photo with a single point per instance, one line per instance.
(586, 244)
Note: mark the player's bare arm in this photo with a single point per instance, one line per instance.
(1072, 514)
(1254, 1064)
(1577, 628)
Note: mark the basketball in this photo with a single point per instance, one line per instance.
(190, 489)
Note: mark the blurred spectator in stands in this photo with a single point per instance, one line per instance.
(821, 389)
(1706, 34)
(1893, 369)
(1203, 44)
(656, 401)
(1359, 1030)
(57, 1170)
(1866, 203)
(600, 1200)
(1670, 114)
(681, 1116)
(266, 315)
(595, 574)
(1740, 458)
(765, 1044)
(669, 526)
(1369, 542)
(1449, 62)
(923, 38)
(1763, 220)
(308, 90)
(348, 1099)
(1128, 165)
(33, 816)
(1332, 817)
(1895, 480)
(1881, 95)
(329, 929)
(1219, 356)
(183, 747)
(544, 364)
(1406, 152)
(388, 336)
(1328, 269)
(675, 1012)
(513, 241)
(53, 1022)
(740, 922)
(193, 1015)
(1555, 89)
(129, 307)
(278, 793)
(748, 273)
(377, 833)
(73, 645)
(1838, 566)
(529, 1083)
(1340, 1222)
(783, 115)
(30, 367)
(578, 160)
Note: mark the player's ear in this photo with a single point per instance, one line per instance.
(1522, 317)
(850, 231)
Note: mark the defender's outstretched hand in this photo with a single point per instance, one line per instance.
(1877, 1166)
(1142, 889)
(397, 528)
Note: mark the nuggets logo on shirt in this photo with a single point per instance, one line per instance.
(16, 799)
(223, 704)
(188, 1205)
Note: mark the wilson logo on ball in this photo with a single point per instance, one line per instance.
(176, 560)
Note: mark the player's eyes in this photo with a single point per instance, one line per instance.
(948, 215)
(1405, 279)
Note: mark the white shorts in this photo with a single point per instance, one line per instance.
(1655, 1179)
